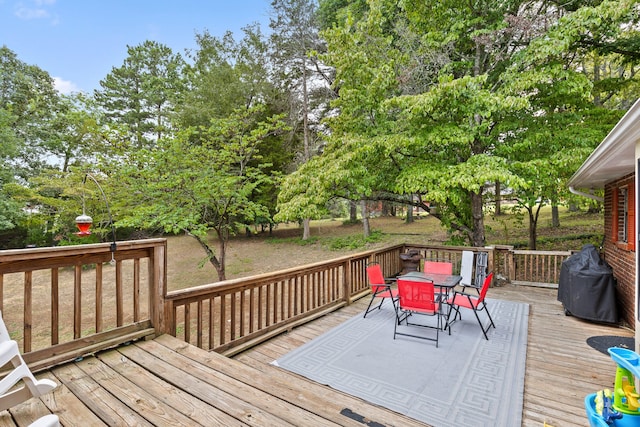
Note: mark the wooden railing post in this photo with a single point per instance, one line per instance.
(491, 260)
(511, 263)
(158, 291)
(346, 285)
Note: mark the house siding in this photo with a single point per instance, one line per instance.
(621, 256)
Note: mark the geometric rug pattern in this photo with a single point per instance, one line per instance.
(466, 381)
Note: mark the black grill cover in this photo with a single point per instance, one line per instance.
(587, 287)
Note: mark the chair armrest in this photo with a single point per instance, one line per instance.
(466, 294)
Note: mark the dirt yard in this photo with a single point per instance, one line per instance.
(262, 253)
(283, 249)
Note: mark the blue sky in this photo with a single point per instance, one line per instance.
(78, 42)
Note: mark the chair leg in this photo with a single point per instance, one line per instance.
(485, 308)
(457, 313)
(484, 330)
(369, 309)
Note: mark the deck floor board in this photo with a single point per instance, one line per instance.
(168, 382)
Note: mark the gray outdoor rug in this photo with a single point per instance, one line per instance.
(466, 381)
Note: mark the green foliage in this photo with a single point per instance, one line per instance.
(294, 240)
(140, 96)
(354, 241)
(486, 113)
(195, 188)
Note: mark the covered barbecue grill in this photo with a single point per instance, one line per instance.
(587, 288)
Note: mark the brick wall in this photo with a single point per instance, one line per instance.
(621, 257)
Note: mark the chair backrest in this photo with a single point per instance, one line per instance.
(20, 374)
(466, 268)
(4, 333)
(375, 276)
(438, 267)
(482, 260)
(416, 295)
(485, 286)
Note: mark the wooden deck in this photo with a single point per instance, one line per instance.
(166, 382)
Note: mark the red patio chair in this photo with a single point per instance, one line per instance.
(439, 267)
(417, 297)
(380, 288)
(473, 302)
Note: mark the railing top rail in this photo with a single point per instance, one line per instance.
(529, 252)
(62, 251)
(266, 277)
(449, 248)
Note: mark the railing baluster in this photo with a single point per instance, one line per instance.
(211, 323)
(28, 310)
(222, 324)
(119, 295)
(55, 306)
(136, 290)
(77, 302)
(199, 324)
(99, 298)
(187, 322)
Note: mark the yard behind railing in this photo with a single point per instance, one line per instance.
(61, 303)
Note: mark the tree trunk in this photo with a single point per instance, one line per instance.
(353, 212)
(555, 215)
(533, 226)
(386, 209)
(223, 239)
(306, 230)
(498, 198)
(365, 219)
(477, 214)
(533, 233)
(305, 132)
(218, 264)
(409, 218)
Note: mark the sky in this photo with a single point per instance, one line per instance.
(78, 42)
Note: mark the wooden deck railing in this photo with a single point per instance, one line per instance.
(231, 315)
(61, 303)
(536, 268)
(110, 304)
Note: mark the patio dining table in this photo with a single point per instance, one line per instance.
(445, 282)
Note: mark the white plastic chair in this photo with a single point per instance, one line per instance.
(50, 420)
(10, 353)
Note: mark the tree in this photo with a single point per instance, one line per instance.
(295, 44)
(30, 103)
(425, 143)
(141, 95)
(197, 188)
(229, 75)
(226, 75)
(10, 212)
(29, 108)
(567, 91)
(446, 133)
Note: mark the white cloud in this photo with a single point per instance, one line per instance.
(35, 9)
(27, 13)
(65, 86)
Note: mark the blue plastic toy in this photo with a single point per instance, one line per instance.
(622, 407)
